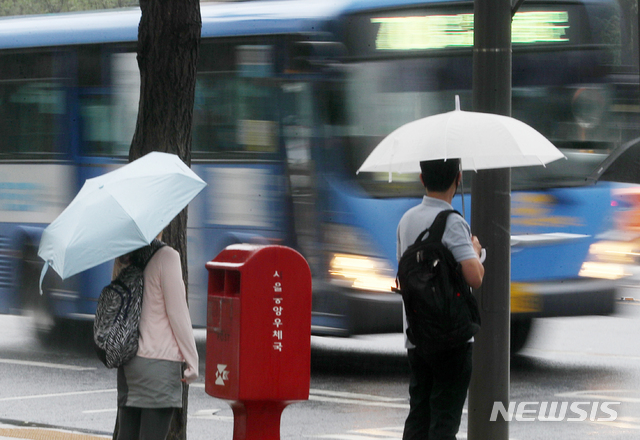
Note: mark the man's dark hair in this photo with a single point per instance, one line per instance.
(438, 175)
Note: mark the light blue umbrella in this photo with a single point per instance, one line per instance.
(117, 213)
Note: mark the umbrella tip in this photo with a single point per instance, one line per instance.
(457, 102)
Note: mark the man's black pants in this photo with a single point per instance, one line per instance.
(437, 391)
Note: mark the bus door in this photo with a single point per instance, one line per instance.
(236, 150)
(297, 136)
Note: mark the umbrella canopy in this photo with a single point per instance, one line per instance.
(118, 212)
(623, 165)
(479, 140)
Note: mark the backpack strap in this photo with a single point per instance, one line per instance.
(436, 230)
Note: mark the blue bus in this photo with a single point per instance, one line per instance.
(291, 96)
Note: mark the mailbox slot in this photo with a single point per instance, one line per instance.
(224, 282)
(232, 282)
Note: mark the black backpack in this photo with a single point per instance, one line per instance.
(115, 328)
(441, 311)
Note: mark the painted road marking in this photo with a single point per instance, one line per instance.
(542, 352)
(356, 395)
(46, 365)
(211, 414)
(357, 399)
(623, 423)
(350, 398)
(396, 431)
(47, 396)
(98, 411)
(49, 434)
(610, 396)
(388, 433)
(10, 432)
(354, 437)
(358, 402)
(607, 395)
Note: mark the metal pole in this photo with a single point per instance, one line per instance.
(490, 221)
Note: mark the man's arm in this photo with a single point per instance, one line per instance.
(472, 268)
(473, 272)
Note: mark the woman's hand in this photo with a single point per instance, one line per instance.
(190, 374)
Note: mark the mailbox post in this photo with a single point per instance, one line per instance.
(258, 335)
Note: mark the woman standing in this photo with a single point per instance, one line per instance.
(150, 385)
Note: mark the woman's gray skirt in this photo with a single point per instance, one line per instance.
(150, 383)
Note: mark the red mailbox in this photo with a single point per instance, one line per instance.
(258, 335)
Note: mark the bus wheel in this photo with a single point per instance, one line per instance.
(35, 305)
(52, 330)
(520, 330)
(48, 328)
(42, 322)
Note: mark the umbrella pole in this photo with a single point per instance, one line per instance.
(464, 215)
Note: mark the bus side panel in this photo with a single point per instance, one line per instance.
(584, 212)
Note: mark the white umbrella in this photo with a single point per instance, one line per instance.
(479, 140)
(118, 212)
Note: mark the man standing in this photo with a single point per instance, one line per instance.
(439, 381)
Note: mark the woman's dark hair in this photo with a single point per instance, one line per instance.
(438, 175)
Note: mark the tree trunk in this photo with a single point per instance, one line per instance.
(168, 43)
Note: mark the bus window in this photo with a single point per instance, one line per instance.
(383, 95)
(108, 116)
(31, 101)
(214, 116)
(236, 102)
(125, 99)
(257, 129)
(95, 113)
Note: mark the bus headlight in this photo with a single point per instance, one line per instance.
(353, 262)
(614, 252)
(361, 272)
(594, 269)
(609, 260)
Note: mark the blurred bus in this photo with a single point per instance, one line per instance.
(291, 96)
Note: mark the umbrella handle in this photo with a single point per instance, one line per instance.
(42, 274)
